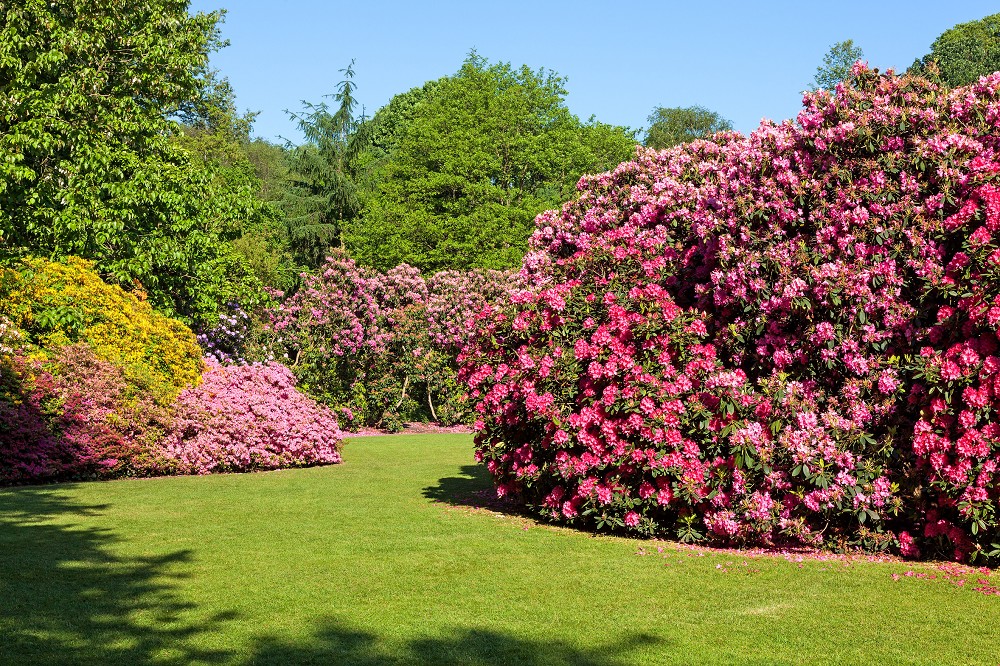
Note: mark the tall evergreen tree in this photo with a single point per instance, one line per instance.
(324, 194)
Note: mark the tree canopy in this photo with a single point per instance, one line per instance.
(670, 126)
(469, 161)
(90, 167)
(964, 52)
(837, 64)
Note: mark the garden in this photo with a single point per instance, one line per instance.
(721, 394)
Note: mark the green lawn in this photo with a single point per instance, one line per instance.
(376, 562)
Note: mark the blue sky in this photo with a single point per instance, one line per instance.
(745, 60)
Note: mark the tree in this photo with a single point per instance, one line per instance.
(90, 168)
(324, 195)
(472, 159)
(388, 124)
(238, 168)
(214, 110)
(963, 53)
(254, 173)
(837, 65)
(674, 125)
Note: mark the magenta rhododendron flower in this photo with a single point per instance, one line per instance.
(791, 336)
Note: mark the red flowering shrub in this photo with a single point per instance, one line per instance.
(784, 337)
(75, 416)
(249, 417)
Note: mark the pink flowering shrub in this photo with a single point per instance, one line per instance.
(398, 288)
(75, 416)
(456, 297)
(381, 347)
(784, 337)
(329, 327)
(249, 417)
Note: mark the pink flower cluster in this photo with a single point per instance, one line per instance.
(382, 345)
(77, 417)
(334, 314)
(789, 337)
(249, 417)
(456, 297)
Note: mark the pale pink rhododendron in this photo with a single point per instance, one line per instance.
(382, 346)
(791, 335)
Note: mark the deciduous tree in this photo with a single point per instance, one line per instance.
(89, 92)
(473, 158)
(671, 126)
(963, 53)
(837, 65)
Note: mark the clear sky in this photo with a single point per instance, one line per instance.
(745, 60)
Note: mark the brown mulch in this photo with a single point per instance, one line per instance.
(414, 429)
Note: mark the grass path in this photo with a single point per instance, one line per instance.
(362, 563)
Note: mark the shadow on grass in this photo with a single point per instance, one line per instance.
(473, 488)
(67, 598)
(335, 644)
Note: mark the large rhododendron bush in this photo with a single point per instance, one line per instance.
(784, 338)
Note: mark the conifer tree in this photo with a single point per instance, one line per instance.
(323, 195)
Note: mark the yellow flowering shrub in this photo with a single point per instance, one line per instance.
(62, 303)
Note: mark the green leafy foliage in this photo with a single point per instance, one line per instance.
(963, 53)
(236, 166)
(672, 126)
(90, 168)
(837, 65)
(460, 167)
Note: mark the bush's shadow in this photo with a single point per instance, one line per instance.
(67, 598)
(472, 488)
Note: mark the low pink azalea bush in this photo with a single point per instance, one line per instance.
(249, 417)
(77, 417)
(784, 337)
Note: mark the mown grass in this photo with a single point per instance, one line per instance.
(376, 561)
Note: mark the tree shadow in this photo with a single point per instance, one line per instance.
(336, 644)
(67, 598)
(473, 488)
